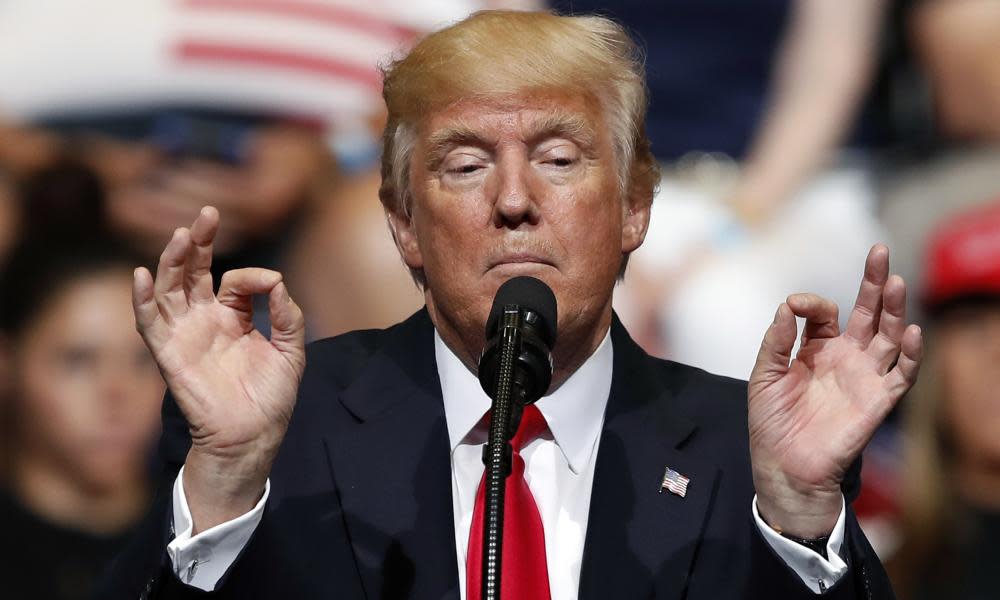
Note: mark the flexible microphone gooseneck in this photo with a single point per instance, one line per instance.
(514, 370)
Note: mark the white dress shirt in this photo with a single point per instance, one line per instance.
(559, 470)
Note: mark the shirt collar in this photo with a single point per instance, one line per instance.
(574, 412)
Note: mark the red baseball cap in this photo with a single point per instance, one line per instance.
(963, 257)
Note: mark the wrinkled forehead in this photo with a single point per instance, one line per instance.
(527, 115)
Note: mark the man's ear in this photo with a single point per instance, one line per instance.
(404, 234)
(635, 217)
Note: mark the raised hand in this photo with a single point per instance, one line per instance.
(809, 420)
(235, 387)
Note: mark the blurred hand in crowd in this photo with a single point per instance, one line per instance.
(150, 194)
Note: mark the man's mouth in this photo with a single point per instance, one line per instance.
(521, 257)
(520, 261)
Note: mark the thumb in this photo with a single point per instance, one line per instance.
(288, 328)
(776, 349)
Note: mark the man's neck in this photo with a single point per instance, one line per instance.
(577, 345)
(576, 341)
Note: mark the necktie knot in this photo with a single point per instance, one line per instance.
(531, 427)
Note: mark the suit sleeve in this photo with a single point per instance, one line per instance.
(865, 578)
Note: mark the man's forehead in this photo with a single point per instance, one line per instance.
(528, 115)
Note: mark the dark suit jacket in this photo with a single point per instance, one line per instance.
(361, 506)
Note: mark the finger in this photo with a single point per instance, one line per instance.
(288, 326)
(884, 347)
(148, 322)
(904, 374)
(863, 322)
(821, 315)
(237, 288)
(198, 275)
(168, 289)
(776, 348)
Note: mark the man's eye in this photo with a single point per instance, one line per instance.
(560, 162)
(464, 170)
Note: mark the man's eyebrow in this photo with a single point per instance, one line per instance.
(572, 126)
(446, 138)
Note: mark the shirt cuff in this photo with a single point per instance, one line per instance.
(202, 560)
(818, 573)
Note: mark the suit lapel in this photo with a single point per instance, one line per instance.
(393, 470)
(641, 543)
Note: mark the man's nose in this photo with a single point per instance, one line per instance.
(516, 201)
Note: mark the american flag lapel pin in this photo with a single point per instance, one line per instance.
(674, 483)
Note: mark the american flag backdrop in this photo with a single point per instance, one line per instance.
(315, 59)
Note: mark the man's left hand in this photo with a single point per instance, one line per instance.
(809, 420)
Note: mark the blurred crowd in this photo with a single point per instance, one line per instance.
(792, 135)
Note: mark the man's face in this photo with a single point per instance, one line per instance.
(524, 186)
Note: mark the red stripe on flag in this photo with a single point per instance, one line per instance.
(192, 50)
(314, 12)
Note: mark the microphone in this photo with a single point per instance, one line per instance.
(515, 370)
(524, 314)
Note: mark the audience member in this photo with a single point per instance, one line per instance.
(951, 470)
(83, 404)
(949, 160)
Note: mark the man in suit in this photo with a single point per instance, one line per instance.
(514, 146)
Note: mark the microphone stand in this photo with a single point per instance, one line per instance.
(497, 454)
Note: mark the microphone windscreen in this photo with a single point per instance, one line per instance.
(528, 293)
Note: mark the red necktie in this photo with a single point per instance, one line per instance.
(525, 574)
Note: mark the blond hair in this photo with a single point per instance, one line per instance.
(503, 53)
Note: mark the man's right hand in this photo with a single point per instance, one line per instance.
(235, 387)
